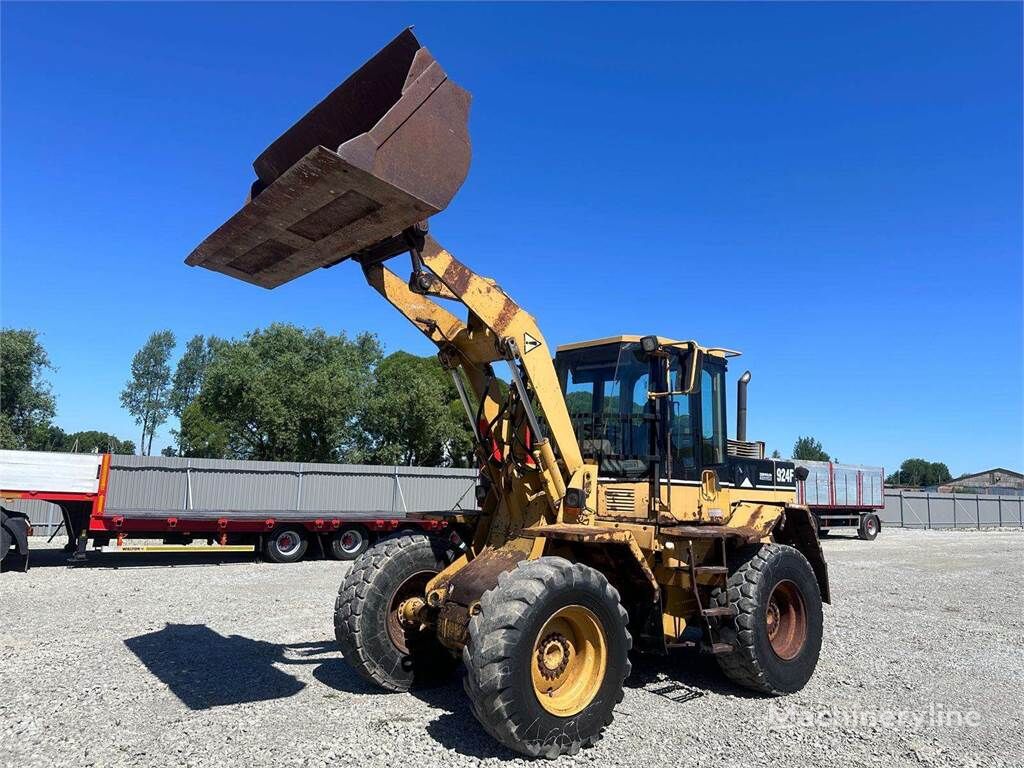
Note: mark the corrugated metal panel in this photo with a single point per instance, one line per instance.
(350, 491)
(175, 484)
(43, 515)
(920, 509)
(134, 484)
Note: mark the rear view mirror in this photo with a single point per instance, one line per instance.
(690, 359)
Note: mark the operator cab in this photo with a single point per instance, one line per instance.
(651, 407)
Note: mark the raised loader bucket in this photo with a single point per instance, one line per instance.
(386, 149)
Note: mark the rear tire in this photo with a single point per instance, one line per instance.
(777, 628)
(869, 527)
(366, 624)
(547, 657)
(350, 542)
(286, 545)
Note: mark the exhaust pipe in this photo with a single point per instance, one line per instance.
(741, 407)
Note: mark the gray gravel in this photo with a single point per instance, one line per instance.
(170, 660)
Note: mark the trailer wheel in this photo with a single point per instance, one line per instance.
(286, 545)
(869, 527)
(5, 541)
(14, 531)
(349, 543)
(547, 656)
(367, 623)
(777, 628)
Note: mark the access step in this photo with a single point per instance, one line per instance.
(717, 649)
(708, 613)
(712, 569)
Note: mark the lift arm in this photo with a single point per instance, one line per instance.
(496, 329)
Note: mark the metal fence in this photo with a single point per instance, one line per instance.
(921, 509)
(158, 485)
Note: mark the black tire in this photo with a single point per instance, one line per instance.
(500, 656)
(6, 540)
(350, 542)
(394, 569)
(286, 545)
(869, 527)
(756, 575)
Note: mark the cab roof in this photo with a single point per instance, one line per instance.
(627, 338)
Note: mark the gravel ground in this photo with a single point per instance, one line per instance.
(174, 660)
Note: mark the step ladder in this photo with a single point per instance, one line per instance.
(712, 643)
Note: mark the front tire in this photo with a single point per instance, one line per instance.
(366, 624)
(777, 628)
(869, 527)
(547, 656)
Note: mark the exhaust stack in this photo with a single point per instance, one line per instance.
(385, 150)
(741, 407)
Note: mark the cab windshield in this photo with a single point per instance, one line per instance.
(606, 390)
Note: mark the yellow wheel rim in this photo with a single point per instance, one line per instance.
(569, 659)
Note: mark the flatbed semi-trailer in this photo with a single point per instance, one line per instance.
(105, 497)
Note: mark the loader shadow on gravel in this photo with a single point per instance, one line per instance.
(205, 669)
(682, 676)
(455, 728)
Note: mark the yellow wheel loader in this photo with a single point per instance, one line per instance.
(614, 513)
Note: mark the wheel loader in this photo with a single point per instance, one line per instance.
(615, 515)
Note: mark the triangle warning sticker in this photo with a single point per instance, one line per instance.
(529, 343)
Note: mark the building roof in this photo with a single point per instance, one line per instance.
(994, 476)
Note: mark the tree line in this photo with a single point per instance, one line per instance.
(28, 407)
(285, 393)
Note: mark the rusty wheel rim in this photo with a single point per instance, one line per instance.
(786, 620)
(414, 586)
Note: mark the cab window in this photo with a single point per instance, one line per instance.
(681, 431)
(712, 409)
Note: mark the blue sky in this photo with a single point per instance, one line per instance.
(834, 189)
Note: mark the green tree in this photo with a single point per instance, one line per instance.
(188, 382)
(776, 454)
(146, 396)
(188, 375)
(283, 394)
(921, 473)
(414, 415)
(201, 435)
(93, 441)
(809, 449)
(26, 402)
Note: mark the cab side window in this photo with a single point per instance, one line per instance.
(681, 431)
(712, 406)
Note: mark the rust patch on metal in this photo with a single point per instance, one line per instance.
(589, 534)
(508, 312)
(453, 626)
(465, 589)
(481, 574)
(456, 277)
